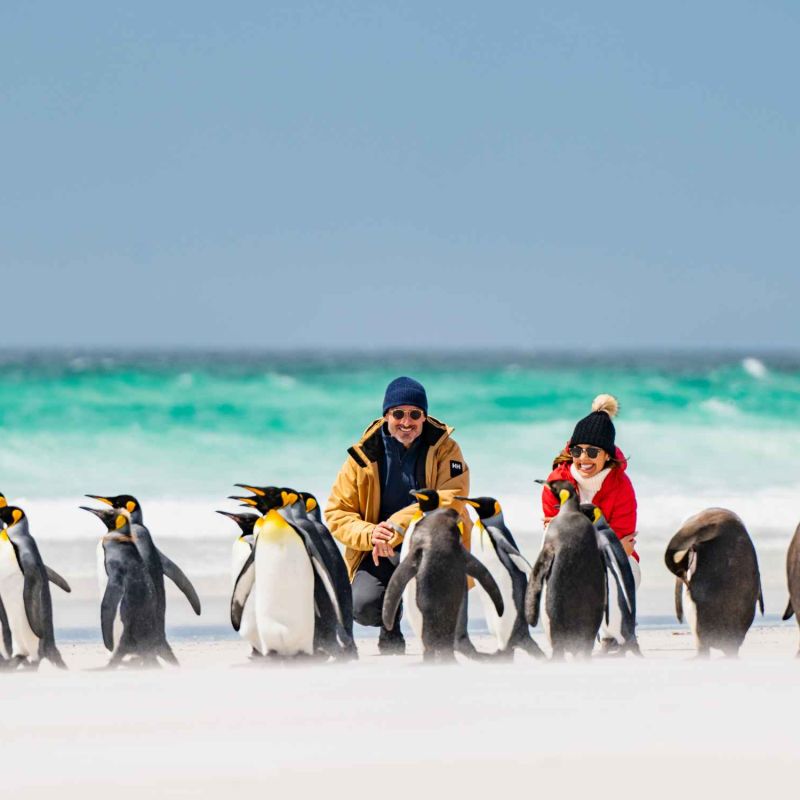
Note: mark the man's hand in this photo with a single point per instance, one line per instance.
(628, 543)
(382, 534)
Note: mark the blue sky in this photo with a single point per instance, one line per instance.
(533, 175)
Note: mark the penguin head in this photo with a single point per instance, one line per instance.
(11, 515)
(122, 501)
(244, 521)
(108, 516)
(267, 498)
(3, 501)
(311, 503)
(563, 490)
(486, 507)
(428, 499)
(591, 512)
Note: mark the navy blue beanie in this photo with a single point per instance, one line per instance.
(405, 392)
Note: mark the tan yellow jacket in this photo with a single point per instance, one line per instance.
(354, 506)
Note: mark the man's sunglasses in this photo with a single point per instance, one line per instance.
(592, 452)
(415, 414)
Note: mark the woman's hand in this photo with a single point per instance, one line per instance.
(382, 534)
(628, 544)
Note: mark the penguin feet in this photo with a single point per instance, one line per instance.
(610, 648)
(464, 646)
(530, 646)
(391, 642)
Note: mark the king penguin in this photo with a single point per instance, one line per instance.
(793, 578)
(128, 607)
(241, 550)
(331, 637)
(438, 563)
(572, 570)
(619, 618)
(158, 565)
(495, 548)
(716, 576)
(280, 572)
(427, 501)
(25, 591)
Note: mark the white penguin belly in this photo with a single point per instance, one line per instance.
(248, 629)
(102, 582)
(613, 628)
(544, 617)
(24, 642)
(284, 595)
(410, 607)
(501, 626)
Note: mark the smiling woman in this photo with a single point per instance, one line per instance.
(597, 467)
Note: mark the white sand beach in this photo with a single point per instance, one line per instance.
(660, 726)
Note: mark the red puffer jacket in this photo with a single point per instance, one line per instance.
(616, 498)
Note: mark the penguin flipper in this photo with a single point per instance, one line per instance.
(7, 643)
(786, 614)
(242, 588)
(318, 562)
(476, 570)
(541, 569)
(679, 599)
(178, 577)
(108, 609)
(406, 570)
(32, 598)
(514, 556)
(55, 578)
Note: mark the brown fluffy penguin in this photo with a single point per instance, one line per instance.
(717, 578)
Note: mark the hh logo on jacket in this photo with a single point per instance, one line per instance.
(456, 468)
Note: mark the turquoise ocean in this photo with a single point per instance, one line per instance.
(177, 430)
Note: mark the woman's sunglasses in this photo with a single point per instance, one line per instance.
(415, 414)
(591, 452)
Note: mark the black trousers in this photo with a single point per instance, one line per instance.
(369, 587)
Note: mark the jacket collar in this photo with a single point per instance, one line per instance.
(370, 445)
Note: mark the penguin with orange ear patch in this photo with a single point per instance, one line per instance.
(25, 591)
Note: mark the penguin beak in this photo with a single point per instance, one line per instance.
(419, 495)
(254, 489)
(467, 501)
(98, 512)
(245, 501)
(101, 499)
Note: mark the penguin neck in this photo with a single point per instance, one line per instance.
(589, 487)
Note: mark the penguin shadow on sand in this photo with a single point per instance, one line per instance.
(439, 564)
(717, 580)
(793, 579)
(569, 584)
(130, 574)
(26, 606)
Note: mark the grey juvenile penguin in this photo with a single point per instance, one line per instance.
(572, 570)
(717, 577)
(439, 563)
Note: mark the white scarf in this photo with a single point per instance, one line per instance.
(589, 487)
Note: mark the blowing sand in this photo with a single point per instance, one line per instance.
(661, 726)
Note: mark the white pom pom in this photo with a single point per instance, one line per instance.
(607, 403)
